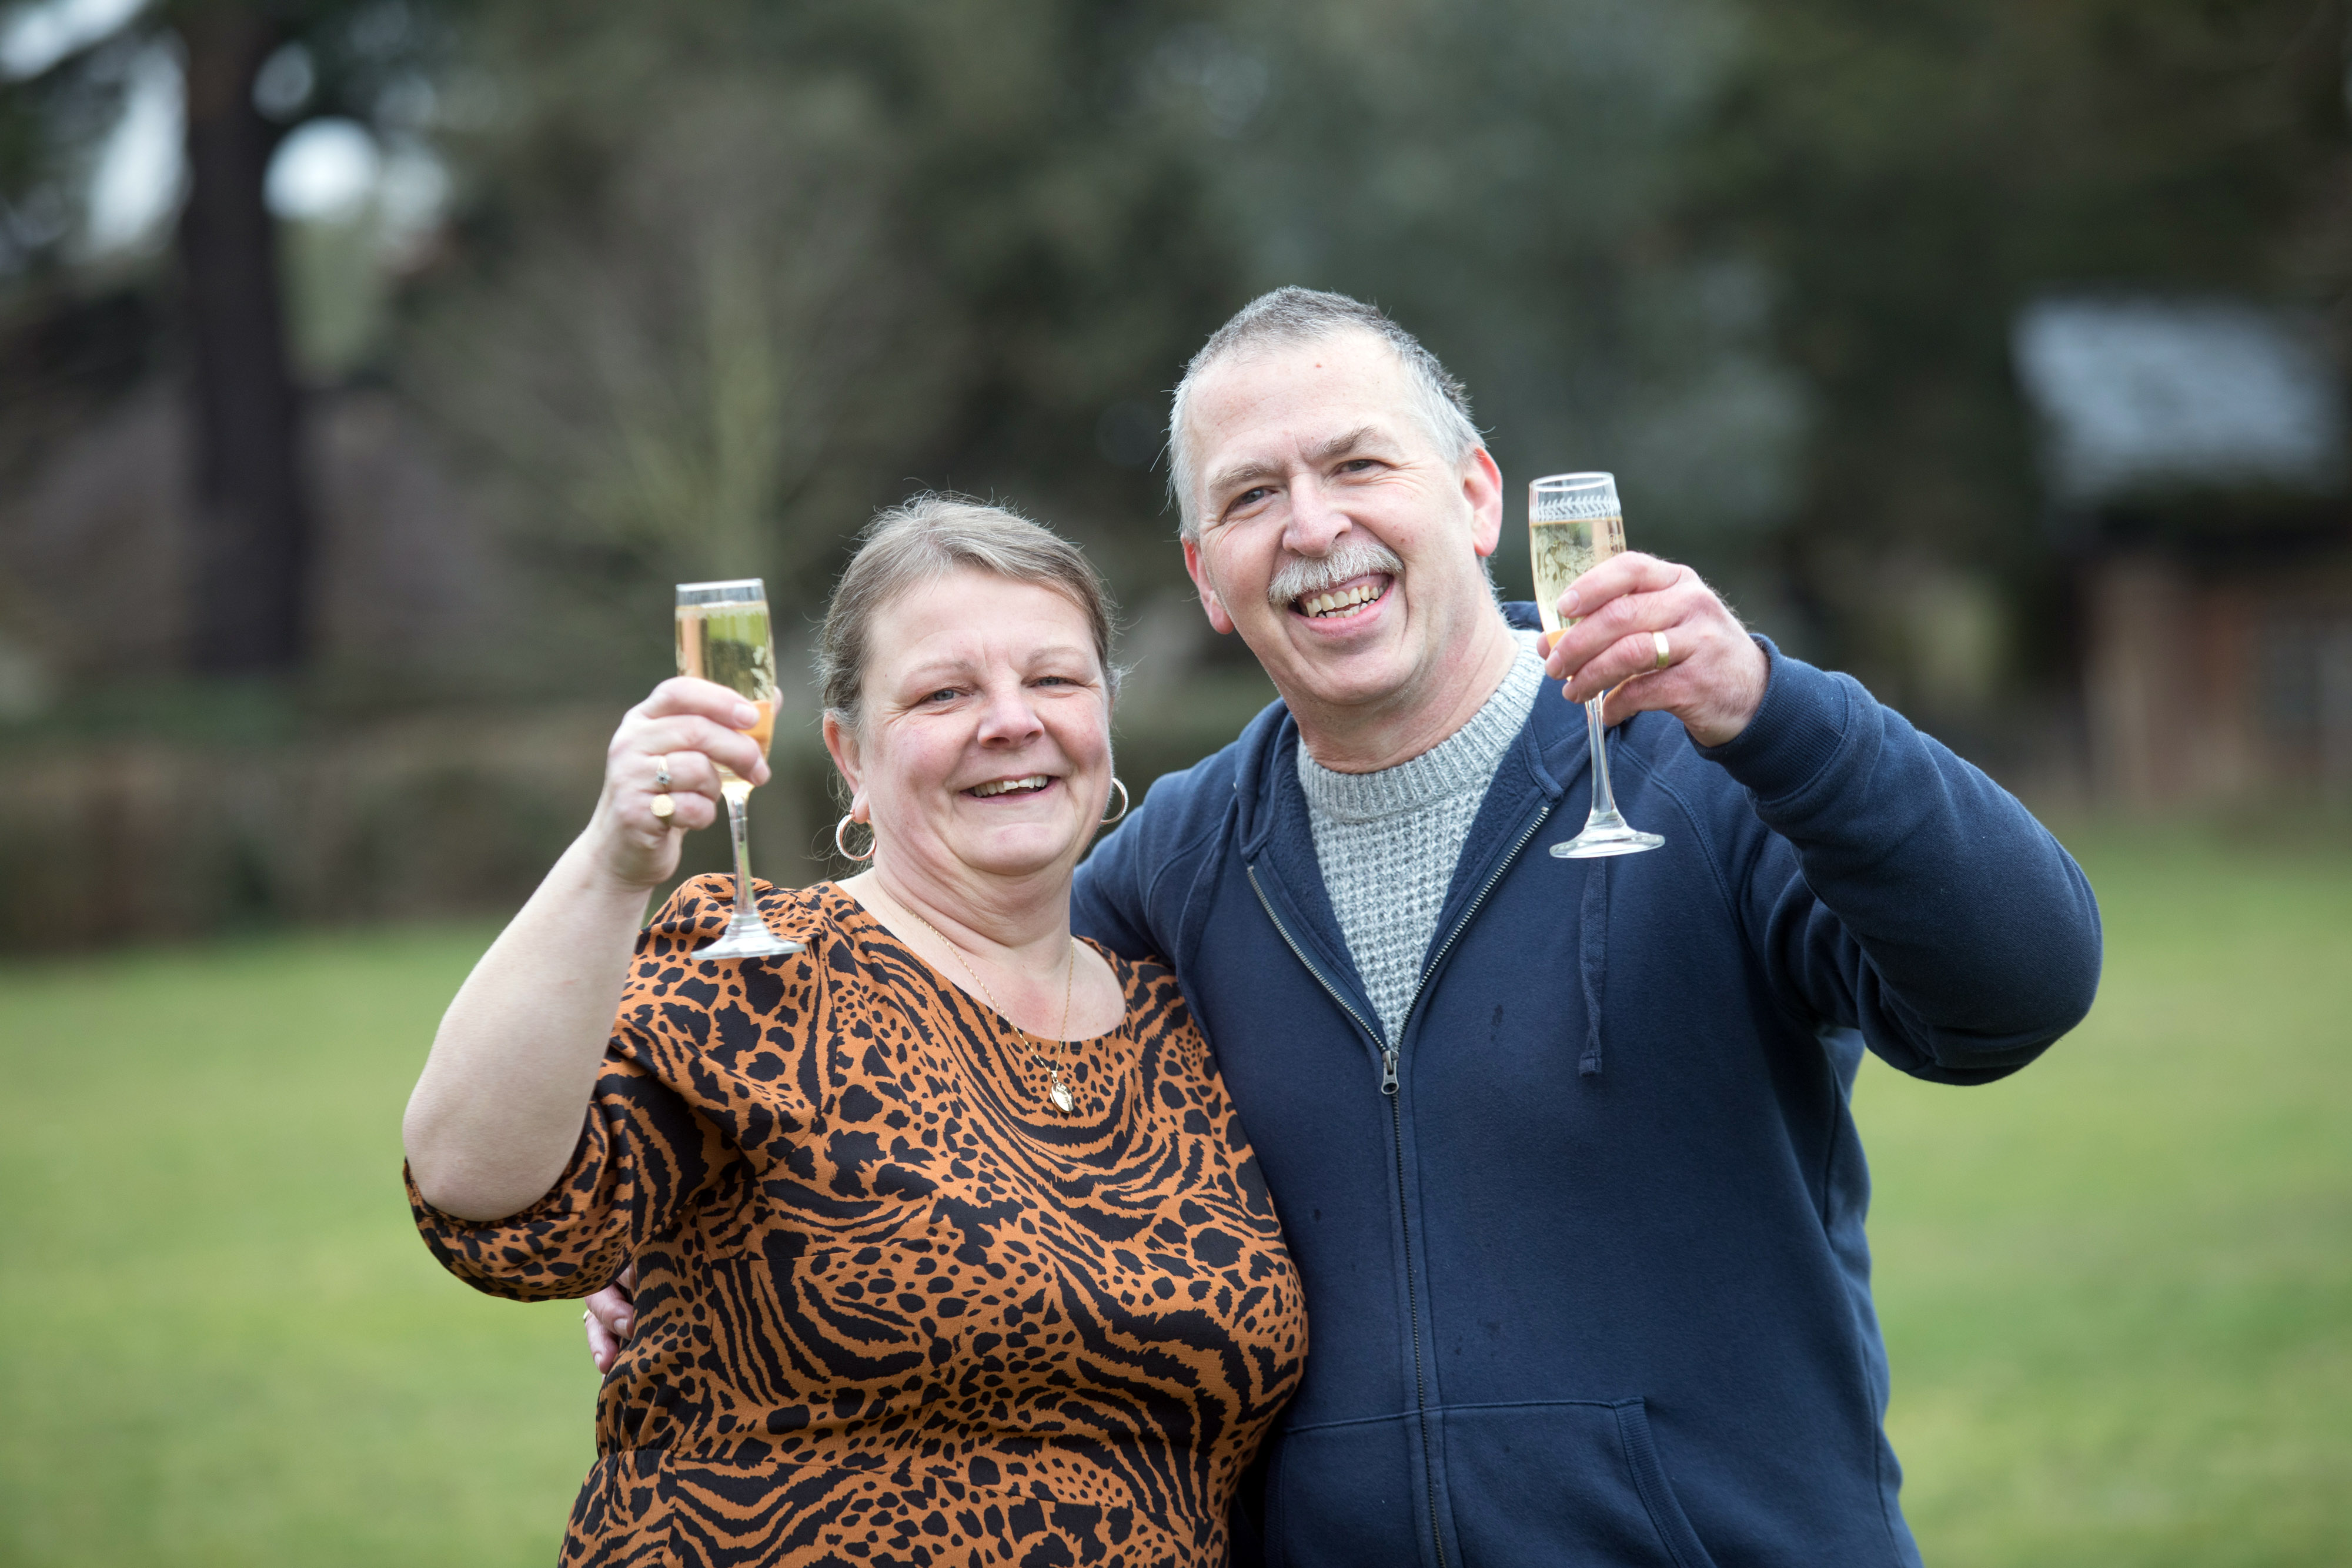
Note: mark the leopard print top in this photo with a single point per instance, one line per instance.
(892, 1308)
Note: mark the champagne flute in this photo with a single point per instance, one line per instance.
(722, 636)
(1574, 524)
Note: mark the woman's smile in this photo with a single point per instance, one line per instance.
(1025, 785)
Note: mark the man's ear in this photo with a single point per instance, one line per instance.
(1209, 601)
(1482, 490)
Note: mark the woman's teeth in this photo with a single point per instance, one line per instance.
(1340, 602)
(1005, 786)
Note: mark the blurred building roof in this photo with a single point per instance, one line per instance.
(2143, 396)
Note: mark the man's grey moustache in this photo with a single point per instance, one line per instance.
(1302, 575)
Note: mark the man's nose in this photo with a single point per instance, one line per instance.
(1314, 524)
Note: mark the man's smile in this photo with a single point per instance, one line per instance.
(1346, 599)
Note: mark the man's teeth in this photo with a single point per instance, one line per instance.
(1335, 603)
(1003, 786)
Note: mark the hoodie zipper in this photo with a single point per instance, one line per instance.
(1396, 1128)
(1463, 924)
(1404, 1219)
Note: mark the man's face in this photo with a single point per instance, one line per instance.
(1334, 536)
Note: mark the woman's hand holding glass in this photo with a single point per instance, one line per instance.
(691, 728)
(496, 1113)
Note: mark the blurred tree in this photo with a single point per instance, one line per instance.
(916, 244)
(727, 275)
(253, 530)
(1910, 175)
(828, 253)
(329, 57)
(1501, 174)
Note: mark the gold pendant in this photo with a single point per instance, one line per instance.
(1059, 1093)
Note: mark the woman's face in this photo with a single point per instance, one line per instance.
(986, 742)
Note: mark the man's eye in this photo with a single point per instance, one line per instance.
(945, 694)
(1356, 466)
(1251, 498)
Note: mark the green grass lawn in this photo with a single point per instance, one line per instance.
(2117, 1288)
(220, 1340)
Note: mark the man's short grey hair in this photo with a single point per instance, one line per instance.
(1305, 316)
(918, 542)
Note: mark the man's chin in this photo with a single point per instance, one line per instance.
(1331, 675)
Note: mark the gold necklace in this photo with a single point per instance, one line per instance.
(1056, 1090)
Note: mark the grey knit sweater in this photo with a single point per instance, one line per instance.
(1388, 840)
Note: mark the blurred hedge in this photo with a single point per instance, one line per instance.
(107, 839)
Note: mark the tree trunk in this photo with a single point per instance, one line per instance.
(252, 527)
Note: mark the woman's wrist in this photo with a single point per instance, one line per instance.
(610, 862)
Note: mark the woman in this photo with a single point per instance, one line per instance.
(948, 1247)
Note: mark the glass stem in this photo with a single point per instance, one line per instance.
(738, 802)
(1604, 799)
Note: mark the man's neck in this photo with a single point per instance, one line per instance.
(1367, 739)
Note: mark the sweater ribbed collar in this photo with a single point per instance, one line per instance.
(1465, 760)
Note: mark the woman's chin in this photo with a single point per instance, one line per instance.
(1020, 849)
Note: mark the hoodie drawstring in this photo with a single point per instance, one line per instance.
(1595, 948)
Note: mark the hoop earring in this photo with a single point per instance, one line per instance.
(842, 827)
(1119, 784)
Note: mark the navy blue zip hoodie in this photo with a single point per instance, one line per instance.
(1583, 1252)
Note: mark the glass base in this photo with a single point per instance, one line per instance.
(747, 939)
(1606, 835)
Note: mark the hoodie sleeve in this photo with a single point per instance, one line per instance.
(1127, 895)
(1107, 899)
(1902, 891)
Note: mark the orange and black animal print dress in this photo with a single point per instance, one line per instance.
(893, 1308)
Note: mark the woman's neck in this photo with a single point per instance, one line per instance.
(1018, 924)
(1009, 936)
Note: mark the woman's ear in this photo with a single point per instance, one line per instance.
(841, 741)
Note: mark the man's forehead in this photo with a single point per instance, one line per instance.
(1301, 399)
(1349, 362)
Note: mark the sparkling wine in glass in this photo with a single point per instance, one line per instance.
(722, 636)
(1574, 524)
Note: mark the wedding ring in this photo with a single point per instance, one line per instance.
(662, 805)
(1660, 638)
(583, 1314)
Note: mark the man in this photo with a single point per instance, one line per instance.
(1561, 1147)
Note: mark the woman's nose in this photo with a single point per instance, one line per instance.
(1009, 716)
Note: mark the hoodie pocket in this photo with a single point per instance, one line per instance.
(1346, 1495)
(1563, 1482)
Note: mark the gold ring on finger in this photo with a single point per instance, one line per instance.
(1660, 638)
(663, 809)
